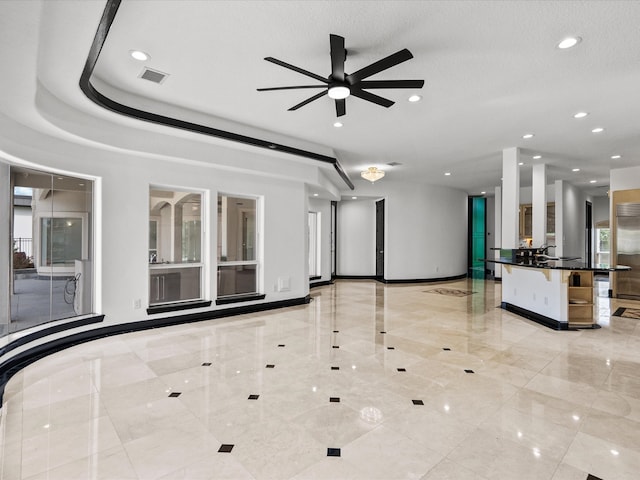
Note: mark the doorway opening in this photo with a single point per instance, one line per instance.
(380, 239)
(477, 242)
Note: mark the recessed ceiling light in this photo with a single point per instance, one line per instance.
(575, 170)
(338, 124)
(315, 194)
(354, 198)
(415, 98)
(581, 114)
(597, 130)
(527, 135)
(139, 55)
(483, 193)
(592, 181)
(615, 157)
(446, 174)
(569, 42)
(520, 163)
(537, 157)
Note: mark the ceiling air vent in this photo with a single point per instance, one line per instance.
(394, 164)
(153, 75)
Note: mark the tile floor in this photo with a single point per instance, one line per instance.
(454, 388)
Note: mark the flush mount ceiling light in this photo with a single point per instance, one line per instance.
(139, 55)
(569, 42)
(580, 114)
(339, 92)
(597, 130)
(372, 174)
(415, 98)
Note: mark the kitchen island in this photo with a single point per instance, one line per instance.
(554, 292)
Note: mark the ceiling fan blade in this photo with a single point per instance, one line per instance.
(290, 88)
(376, 67)
(370, 97)
(296, 69)
(391, 84)
(308, 100)
(338, 56)
(341, 107)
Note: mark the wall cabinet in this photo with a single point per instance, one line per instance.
(526, 221)
(174, 285)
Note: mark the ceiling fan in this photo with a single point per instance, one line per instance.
(340, 85)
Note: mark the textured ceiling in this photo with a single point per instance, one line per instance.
(492, 73)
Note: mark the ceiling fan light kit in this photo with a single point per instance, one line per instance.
(340, 85)
(372, 174)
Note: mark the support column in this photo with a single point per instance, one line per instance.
(539, 204)
(510, 197)
(559, 193)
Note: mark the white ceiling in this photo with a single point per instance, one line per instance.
(492, 73)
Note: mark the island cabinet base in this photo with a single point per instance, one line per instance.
(559, 299)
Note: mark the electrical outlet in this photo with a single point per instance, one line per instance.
(137, 303)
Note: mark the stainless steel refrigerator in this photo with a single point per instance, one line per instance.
(628, 249)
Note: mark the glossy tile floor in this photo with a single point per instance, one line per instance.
(366, 382)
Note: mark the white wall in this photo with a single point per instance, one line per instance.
(122, 220)
(624, 179)
(356, 237)
(573, 226)
(425, 231)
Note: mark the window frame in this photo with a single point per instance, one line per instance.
(258, 252)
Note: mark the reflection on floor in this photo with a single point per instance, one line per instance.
(369, 381)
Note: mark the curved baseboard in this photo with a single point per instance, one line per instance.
(13, 365)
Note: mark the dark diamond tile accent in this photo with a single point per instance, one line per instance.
(334, 399)
(417, 402)
(383, 332)
(270, 366)
(336, 346)
(206, 364)
(469, 371)
(593, 477)
(391, 348)
(335, 368)
(446, 349)
(402, 369)
(175, 394)
(333, 452)
(281, 345)
(253, 397)
(336, 331)
(225, 448)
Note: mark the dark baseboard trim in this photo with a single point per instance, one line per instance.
(107, 19)
(355, 277)
(315, 277)
(18, 342)
(536, 317)
(16, 363)
(321, 284)
(426, 280)
(176, 307)
(240, 298)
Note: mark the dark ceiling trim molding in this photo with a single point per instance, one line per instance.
(108, 16)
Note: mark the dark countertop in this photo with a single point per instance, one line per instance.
(558, 264)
